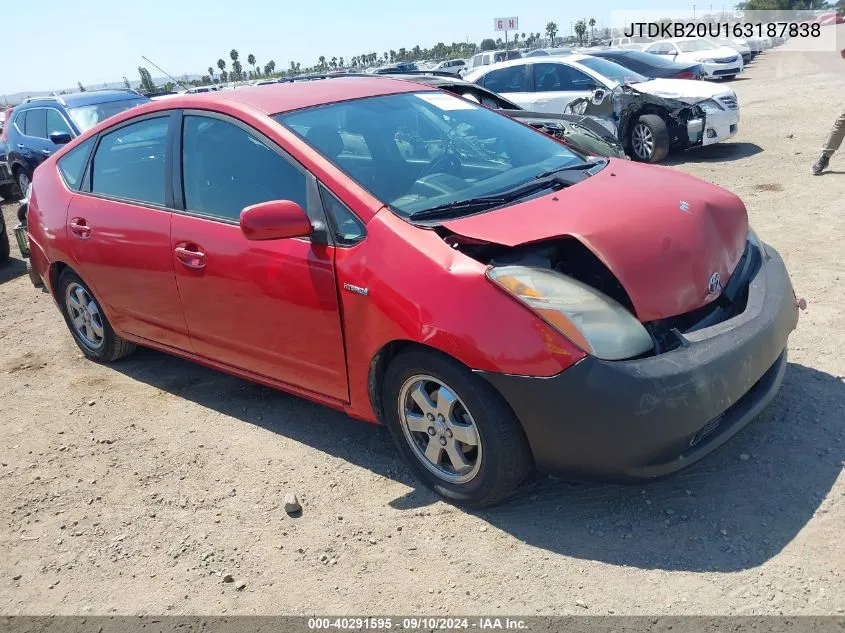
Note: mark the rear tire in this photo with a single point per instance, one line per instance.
(488, 440)
(87, 322)
(22, 180)
(649, 139)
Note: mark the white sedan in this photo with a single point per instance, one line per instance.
(717, 61)
(550, 84)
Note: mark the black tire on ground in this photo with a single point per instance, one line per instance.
(653, 127)
(34, 277)
(4, 247)
(9, 192)
(505, 457)
(22, 176)
(113, 347)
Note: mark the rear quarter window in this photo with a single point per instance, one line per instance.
(72, 165)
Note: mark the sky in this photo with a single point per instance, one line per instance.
(103, 40)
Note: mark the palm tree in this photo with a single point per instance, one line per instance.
(221, 64)
(211, 73)
(580, 29)
(234, 55)
(551, 31)
(322, 60)
(523, 37)
(592, 28)
(340, 63)
(250, 59)
(334, 62)
(516, 40)
(237, 69)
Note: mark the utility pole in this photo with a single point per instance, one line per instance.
(169, 76)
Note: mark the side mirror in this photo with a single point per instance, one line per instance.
(275, 220)
(60, 138)
(599, 95)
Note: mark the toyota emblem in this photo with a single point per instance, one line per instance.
(714, 286)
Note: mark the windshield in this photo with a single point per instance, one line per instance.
(612, 70)
(695, 45)
(423, 150)
(88, 116)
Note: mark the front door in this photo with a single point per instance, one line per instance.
(269, 307)
(556, 84)
(120, 233)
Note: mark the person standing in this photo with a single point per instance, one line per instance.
(834, 139)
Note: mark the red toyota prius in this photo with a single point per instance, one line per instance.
(412, 258)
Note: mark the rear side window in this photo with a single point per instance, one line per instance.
(225, 169)
(129, 162)
(20, 122)
(72, 164)
(511, 79)
(36, 123)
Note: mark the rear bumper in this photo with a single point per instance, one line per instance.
(646, 418)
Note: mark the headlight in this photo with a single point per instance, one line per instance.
(593, 321)
(710, 106)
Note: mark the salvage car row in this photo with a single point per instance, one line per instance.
(401, 249)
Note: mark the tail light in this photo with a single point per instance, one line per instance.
(687, 74)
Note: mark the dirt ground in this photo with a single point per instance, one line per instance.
(136, 487)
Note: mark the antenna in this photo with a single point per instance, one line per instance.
(160, 69)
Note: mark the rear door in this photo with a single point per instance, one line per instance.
(268, 307)
(557, 84)
(119, 231)
(513, 82)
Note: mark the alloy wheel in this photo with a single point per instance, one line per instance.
(440, 429)
(84, 316)
(643, 141)
(23, 182)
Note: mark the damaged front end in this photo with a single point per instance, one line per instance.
(572, 260)
(621, 108)
(583, 133)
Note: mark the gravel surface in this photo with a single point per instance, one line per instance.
(158, 486)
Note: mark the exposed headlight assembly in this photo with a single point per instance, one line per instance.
(710, 106)
(590, 319)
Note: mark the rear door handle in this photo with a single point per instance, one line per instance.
(79, 227)
(21, 146)
(190, 255)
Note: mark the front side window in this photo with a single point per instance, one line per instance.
(510, 79)
(72, 164)
(56, 123)
(87, 116)
(427, 149)
(129, 162)
(36, 123)
(225, 169)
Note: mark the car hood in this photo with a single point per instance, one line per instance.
(686, 90)
(663, 234)
(714, 53)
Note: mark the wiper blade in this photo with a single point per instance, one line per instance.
(451, 209)
(576, 167)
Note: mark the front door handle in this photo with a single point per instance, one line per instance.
(79, 227)
(21, 146)
(46, 152)
(190, 255)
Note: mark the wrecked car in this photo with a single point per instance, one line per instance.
(498, 301)
(659, 114)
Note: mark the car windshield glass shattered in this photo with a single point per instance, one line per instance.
(88, 116)
(430, 150)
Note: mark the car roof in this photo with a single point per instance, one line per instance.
(295, 95)
(544, 59)
(93, 97)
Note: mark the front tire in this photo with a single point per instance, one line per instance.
(22, 181)
(454, 429)
(649, 139)
(87, 321)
